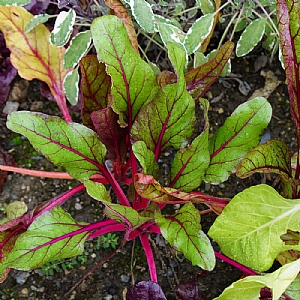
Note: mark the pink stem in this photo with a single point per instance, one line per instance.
(243, 268)
(45, 174)
(149, 256)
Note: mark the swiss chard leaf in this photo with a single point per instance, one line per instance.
(250, 228)
(199, 80)
(169, 119)
(240, 133)
(189, 164)
(95, 87)
(288, 23)
(133, 81)
(39, 58)
(124, 214)
(183, 231)
(272, 157)
(69, 145)
(48, 238)
(251, 286)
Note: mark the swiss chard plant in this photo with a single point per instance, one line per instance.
(130, 116)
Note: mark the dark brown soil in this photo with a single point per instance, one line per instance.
(111, 279)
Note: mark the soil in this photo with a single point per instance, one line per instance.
(114, 276)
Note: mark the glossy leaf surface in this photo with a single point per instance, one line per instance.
(183, 232)
(250, 228)
(240, 133)
(69, 145)
(133, 81)
(48, 238)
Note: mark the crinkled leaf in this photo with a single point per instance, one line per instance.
(69, 145)
(145, 290)
(133, 81)
(198, 32)
(288, 16)
(251, 36)
(169, 119)
(48, 238)
(200, 79)
(166, 77)
(36, 20)
(71, 82)
(143, 14)
(79, 46)
(95, 87)
(63, 28)
(250, 286)
(14, 210)
(122, 14)
(14, 2)
(183, 231)
(125, 214)
(272, 157)
(250, 228)
(39, 59)
(146, 158)
(189, 291)
(110, 133)
(189, 164)
(147, 187)
(240, 133)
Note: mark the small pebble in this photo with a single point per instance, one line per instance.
(10, 107)
(24, 292)
(107, 297)
(125, 278)
(78, 206)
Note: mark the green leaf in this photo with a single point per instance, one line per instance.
(251, 36)
(206, 6)
(124, 214)
(249, 229)
(71, 86)
(63, 28)
(143, 14)
(183, 231)
(36, 20)
(79, 46)
(240, 133)
(70, 145)
(250, 286)
(95, 87)
(226, 69)
(169, 32)
(189, 164)
(198, 32)
(294, 289)
(146, 158)
(41, 243)
(14, 2)
(272, 157)
(169, 119)
(133, 81)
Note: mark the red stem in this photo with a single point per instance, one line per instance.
(149, 255)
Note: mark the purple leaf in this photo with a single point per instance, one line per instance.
(7, 71)
(145, 290)
(265, 293)
(189, 291)
(37, 7)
